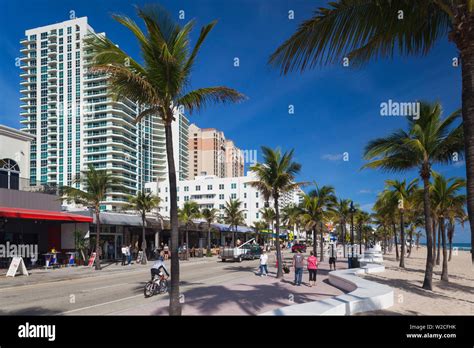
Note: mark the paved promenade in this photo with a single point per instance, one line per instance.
(244, 293)
(208, 286)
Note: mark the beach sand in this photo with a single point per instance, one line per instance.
(453, 298)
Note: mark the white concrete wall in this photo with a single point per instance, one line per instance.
(16, 146)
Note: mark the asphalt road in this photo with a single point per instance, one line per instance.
(109, 293)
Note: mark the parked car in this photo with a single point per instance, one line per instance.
(300, 247)
(252, 252)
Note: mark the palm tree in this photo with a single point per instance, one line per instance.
(386, 206)
(342, 213)
(143, 203)
(234, 216)
(317, 205)
(275, 176)
(445, 196)
(210, 215)
(290, 217)
(455, 214)
(187, 214)
(429, 140)
(268, 215)
(404, 194)
(96, 183)
(363, 219)
(358, 31)
(325, 205)
(159, 86)
(259, 226)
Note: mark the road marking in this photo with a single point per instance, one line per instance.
(100, 304)
(104, 287)
(141, 295)
(92, 277)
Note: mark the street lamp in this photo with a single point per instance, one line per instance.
(352, 210)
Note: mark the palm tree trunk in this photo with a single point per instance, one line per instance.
(144, 259)
(396, 242)
(360, 239)
(321, 247)
(444, 272)
(467, 59)
(209, 238)
(175, 305)
(435, 226)
(344, 238)
(402, 241)
(425, 174)
(450, 238)
(315, 247)
(277, 230)
(439, 240)
(411, 241)
(97, 239)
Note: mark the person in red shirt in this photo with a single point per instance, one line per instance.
(312, 268)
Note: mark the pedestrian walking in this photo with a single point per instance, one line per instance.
(298, 264)
(263, 264)
(124, 254)
(129, 254)
(332, 257)
(166, 250)
(312, 268)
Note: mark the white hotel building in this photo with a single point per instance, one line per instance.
(76, 122)
(210, 191)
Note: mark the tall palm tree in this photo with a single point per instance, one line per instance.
(210, 215)
(276, 176)
(360, 31)
(342, 213)
(386, 206)
(445, 196)
(143, 203)
(186, 215)
(160, 85)
(363, 219)
(234, 216)
(326, 203)
(317, 205)
(429, 140)
(96, 183)
(404, 194)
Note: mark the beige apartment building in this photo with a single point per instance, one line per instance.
(210, 153)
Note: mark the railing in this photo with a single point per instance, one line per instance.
(13, 182)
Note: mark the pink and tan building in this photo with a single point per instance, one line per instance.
(210, 153)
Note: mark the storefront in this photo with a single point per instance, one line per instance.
(46, 229)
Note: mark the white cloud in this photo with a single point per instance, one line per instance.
(364, 191)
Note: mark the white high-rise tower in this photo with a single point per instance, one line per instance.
(77, 122)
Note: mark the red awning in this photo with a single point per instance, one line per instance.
(19, 213)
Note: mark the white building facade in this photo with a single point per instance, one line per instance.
(210, 191)
(77, 122)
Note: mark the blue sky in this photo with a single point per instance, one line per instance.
(337, 109)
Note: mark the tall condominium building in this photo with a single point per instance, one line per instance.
(210, 191)
(77, 122)
(211, 154)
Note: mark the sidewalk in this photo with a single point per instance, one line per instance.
(249, 294)
(41, 275)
